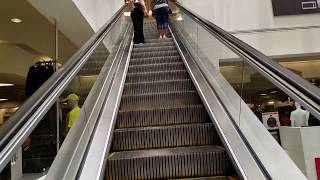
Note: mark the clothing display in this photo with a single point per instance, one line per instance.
(38, 74)
(42, 149)
(299, 117)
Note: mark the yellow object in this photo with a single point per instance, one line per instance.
(73, 114)
(72, 97)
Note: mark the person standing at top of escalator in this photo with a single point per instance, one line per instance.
(137, 15)
(161, 13)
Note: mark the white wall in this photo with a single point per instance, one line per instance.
(235, 15)
(98, 12)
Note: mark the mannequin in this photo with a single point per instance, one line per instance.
(299, 117)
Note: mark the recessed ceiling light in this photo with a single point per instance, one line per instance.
(274, 92)
(3, 100)
(16, 20)
(6, 84)
(271, 102)
(263, 94)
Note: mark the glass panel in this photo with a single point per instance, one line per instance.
(252, 99)
(40, 148)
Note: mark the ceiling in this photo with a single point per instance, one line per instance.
(23, 44)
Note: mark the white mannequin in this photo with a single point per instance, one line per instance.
(299, 117)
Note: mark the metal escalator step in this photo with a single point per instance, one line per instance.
(154, 54)
(159, 100)
(156, 67)
(206, 178)
(158, 40)
(164, 137)
(163, 116)
(157, 76)
(159, 44)
(155, 60)
(182, 162)
(150, 49)
(158, 87)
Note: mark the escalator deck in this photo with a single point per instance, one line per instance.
(163, 130)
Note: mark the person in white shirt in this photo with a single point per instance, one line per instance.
(299, 117)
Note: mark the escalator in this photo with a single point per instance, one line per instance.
(162, 129)
(162, 109)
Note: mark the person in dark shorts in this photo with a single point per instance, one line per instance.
(137, 15)
(161, 13)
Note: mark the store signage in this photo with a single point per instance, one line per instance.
(271, 120)
(291, 7)
(317, 161)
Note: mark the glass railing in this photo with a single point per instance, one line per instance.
(260, 100)
(31, 138)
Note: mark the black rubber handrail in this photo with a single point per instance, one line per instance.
(300, 84)
(24, 113)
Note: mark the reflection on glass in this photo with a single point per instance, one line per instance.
(243, 88)
(21, 50)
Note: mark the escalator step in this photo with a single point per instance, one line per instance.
(164, 137)
(159, 86)
(154, 54)
(159, 44)
(207, 178)
(159, 100)
(155, 60)
(157, 76)
(156, 67)
(179, 162)
(150, 49)
(157, 40)
(162, 117)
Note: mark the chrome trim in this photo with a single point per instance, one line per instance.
(281, 29)
(21, 124)
(241, 156)
(68, 161)
(95, 160)
(301, 90)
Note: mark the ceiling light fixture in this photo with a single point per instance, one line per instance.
(16, 20)
(263, 94)
(6, 84)
(3, 100)
(274, 92)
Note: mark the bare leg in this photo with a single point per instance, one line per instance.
(164, 32)
(160, 33)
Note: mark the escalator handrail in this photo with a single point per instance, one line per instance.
(52, 88)
(311, 94)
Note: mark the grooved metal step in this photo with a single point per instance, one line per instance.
(207, 178)
(154, 54)
(156, 67)
(164, 137)
(157, 76)
(156, 44)
(162, 116)
(155, 60)
(159, 100)
(151, 49)
(159, 86)
(158, 40)
(179, 162)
